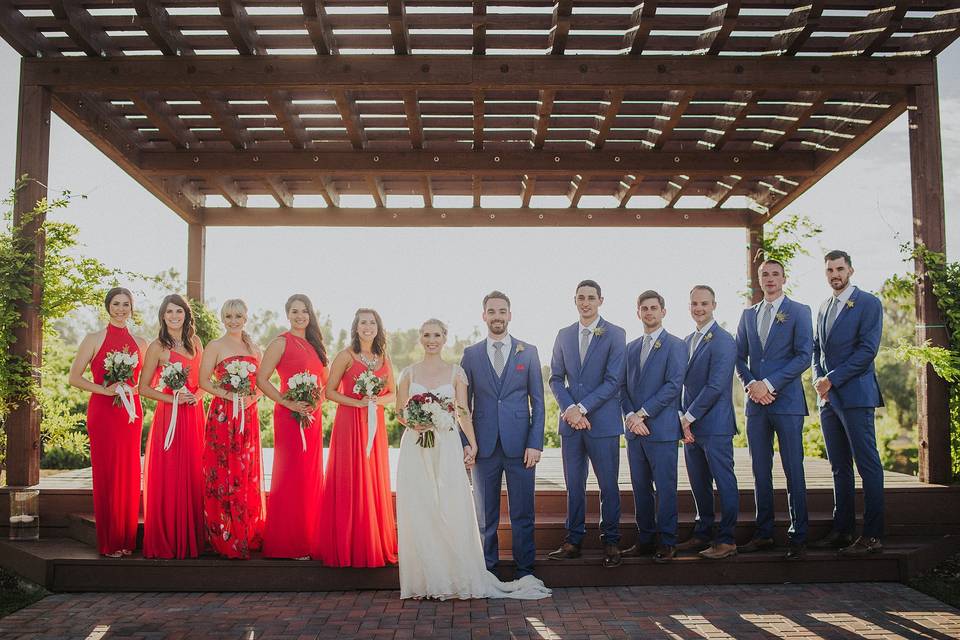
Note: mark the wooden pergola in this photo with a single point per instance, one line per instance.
(720, 114)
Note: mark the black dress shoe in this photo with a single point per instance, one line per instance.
(833, 540)
(862, 547)
(757, 544)
(665, 553)
(611, 556)
(796, 552)
(694, 544)
(641, 549)
(567, 551)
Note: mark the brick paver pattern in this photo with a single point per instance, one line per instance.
(844, 611)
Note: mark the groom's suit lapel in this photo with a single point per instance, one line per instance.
(512, 358)
(776, 325)
(846, 311)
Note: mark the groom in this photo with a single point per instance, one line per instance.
(505, 396)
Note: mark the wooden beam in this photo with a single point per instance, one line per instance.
(673, 113)
(577, 187)
(477, 191)
(468, 72)
(720, 25)
(158, 112)
(196, 258)
(376, 190)
(241, 32)
(929, 229)
(674, 190)
(20, 35)
(346, 105)
(411, 106)
(882, 23)
(325, 187)
(491, 163)
(318, 27)
(83, 28)
(279, 191)
(231, 192)
(427, 191)
(560, 30)
(479, 27)
(397, 17)
(797, 28)
(544, 108)
(641, 23)
(155, 20)
(478, 120)
(755, 258)
(476, 217)
(529, 185)
(293, 128)
(608, 114)
(801, 118)
(33, 160)
(230, 126)
(628, 187)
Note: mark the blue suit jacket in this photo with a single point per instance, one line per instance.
(509, 408)
(782, 362)
(596, 383)
(708, 384)
(846, 356)
(656, 388)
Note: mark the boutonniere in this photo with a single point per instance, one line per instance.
(849, 304)
(520, 367)
(657, 344)
(781, 317)
(599, 331)
(520, 348)
(708, 337)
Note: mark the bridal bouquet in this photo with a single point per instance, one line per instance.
(174, 377)
(236, 377)
(119, 367)
(303, 387)
(369, 385)
(432, 410)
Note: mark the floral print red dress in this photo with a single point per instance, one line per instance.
(233, 498)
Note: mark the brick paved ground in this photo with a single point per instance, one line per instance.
(846, 611)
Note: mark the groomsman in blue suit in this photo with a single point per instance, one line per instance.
(849, 325)
(650, 398)
(505, 396)
(586, 372)
(708, 425)
(774, 344)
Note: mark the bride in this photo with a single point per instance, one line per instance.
(440, 552)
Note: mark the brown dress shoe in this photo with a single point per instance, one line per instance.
(757, 544)
(833, 540)
(611, 556)
(862, 547)
(643, 549)
(719, 551)
(665, 553)
(567, 551)
(797, 551)
(693, 543)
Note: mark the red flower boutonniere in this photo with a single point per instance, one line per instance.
(520, 367)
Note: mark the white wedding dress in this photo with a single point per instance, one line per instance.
(440, 552)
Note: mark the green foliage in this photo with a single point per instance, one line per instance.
(785, 240)
(206, 321)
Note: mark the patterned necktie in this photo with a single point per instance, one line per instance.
(645, 350)
(766, 317)
(831, 316)
(694, 342)
(584, 343)
(498, 361)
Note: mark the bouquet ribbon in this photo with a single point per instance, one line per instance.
(126, 399)
(371, 424)
(303, 437)
(172, 427)
(239, 408)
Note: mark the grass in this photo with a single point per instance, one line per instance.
(942, 582)
(17, 593)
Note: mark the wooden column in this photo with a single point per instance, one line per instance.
(196, 253)
(754, 259)
(33, 154)
(926, 172)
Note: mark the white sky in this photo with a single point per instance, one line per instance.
(412, 274)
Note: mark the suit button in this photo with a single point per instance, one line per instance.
(499, 401)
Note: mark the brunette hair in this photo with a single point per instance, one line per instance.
(189, 330)
(650, 293)
(313, 334)
(836, 254)
(496, 295)
(589, 283)
(236, 304)
(113, 293)
(783, 269)
(379, 342)
(703, 287)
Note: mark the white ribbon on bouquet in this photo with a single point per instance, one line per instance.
(371, 423)
(239, 408)
(126, 399)
(303, 437)
(172, 428)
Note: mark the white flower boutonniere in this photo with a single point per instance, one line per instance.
(708, 337)
(781, 317)
(849, 304)
(657, 344)
(520, 348)
(599, 331)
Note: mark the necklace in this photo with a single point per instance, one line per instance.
(177, 344)
(369, 362)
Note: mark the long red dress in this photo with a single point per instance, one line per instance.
(233, 504)
(297, 476)
(115, 452)
(356, 527)
(172, 479)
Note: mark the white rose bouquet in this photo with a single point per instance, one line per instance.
(236, 377)
(174, 377)
(303, 387)
(118, 369)
(369, 385)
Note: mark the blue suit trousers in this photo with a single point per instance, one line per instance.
(710, 459)
(654, 464)
(579, 449)
(789, 431)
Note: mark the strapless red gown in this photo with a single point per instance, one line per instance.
(115, 452)
(297, 476)
(356, 527)
(233, 501)
(172, 479)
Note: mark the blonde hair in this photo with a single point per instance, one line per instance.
(439, 323)
(237, 305)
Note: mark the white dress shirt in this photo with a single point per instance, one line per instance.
(653, 340)
(704, 331)
(773, 318)
(491, 350)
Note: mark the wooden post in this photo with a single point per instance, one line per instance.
(196, 253)
(33, 154)
(926, 173)
(754, 259)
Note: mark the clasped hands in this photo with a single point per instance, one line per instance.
(575, 419)
(760, 393)
(822, 386)
(637, 424)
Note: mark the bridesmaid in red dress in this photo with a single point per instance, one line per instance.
(297, 476)
(356, 527)
(172, 480)
(233, 500)
(114, 436)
